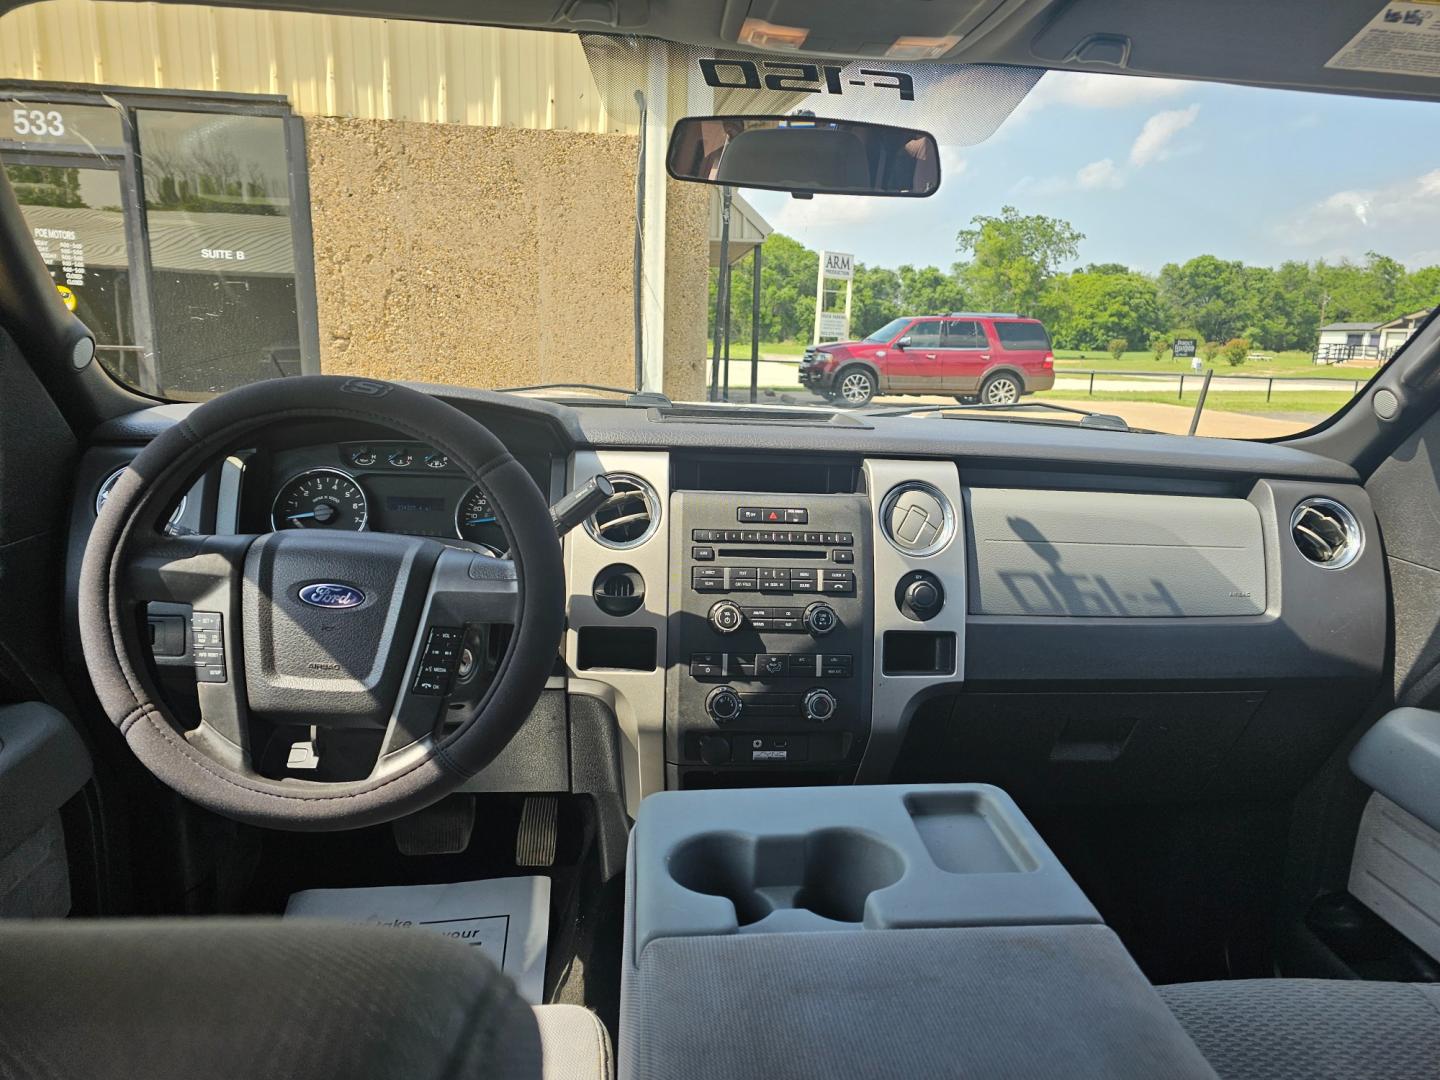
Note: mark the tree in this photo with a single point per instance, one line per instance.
(927, 290)
(1086, 310)
(1013, 258)
(1208, 292)
(1116, 347)
(1208, 350)
(875, 299)
(1234, 351)
(1160, 345)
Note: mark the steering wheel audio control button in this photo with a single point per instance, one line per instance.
(438, 661)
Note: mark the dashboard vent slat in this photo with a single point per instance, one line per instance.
(629, 517)
(1326, 533)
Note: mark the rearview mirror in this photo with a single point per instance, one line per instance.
(805, 155)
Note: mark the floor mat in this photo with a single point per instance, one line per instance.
(507, 918)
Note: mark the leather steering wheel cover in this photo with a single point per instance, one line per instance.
(110, 637)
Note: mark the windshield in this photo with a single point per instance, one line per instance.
(886, 332)
(487, 207)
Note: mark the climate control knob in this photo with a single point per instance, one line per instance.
(726, 617)
(723, 704)
(819, 705)
(820, 618)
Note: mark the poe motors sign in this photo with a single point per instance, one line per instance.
(833, 325)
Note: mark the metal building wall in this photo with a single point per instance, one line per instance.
(327, 65)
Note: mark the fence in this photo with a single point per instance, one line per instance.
(1221, 380)
(1330, 352)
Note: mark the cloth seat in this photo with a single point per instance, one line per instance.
(261, 999)
(1312, 1029)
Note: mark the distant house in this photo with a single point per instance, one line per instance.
(1349, 342)
(1396, 332)
(1341, 342)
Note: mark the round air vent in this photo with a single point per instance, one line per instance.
(917, 518)
(619, 590)
(1326, 533)
(629, 517)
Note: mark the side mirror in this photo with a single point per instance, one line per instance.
(903, 343)
(805, 155)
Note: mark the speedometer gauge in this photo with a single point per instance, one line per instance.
(475, 520)
(320, 499)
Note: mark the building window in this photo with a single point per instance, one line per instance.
(177, 227)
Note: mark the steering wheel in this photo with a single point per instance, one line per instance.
(309, 627)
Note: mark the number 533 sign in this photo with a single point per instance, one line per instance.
(37, 122)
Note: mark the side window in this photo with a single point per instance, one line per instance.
(964, 334)
(1019, 336)
(925, 334)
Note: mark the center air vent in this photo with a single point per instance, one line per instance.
(917, 518)
(1326, 533)
(629, 517)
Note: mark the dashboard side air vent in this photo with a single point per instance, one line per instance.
(629, 517)
(1326, 533)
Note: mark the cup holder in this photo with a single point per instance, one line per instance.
(829, 872)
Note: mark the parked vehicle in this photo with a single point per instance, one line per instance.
(990, 357)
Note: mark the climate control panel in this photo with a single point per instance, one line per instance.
(770, 640)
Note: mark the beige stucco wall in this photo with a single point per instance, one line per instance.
(492, 256)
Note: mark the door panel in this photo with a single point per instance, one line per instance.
(43, 764)
(966, 355)
(917, 366)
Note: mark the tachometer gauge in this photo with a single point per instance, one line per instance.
(320, 499)
(475, 520)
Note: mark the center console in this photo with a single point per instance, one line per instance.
(770, 638)
(902, 930)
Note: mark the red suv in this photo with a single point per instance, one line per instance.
(988, 357)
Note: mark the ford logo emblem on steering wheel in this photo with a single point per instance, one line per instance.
(330, 595)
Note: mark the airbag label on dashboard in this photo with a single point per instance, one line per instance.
(1402, 39)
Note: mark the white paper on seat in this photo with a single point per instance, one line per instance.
(507, 918)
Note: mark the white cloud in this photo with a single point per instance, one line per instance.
(1385, 219)
(1152, 144)
(952, 163)
(799, 215)
(1099, 174)
(1095, 90)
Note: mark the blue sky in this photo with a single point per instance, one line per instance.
(1158, 170)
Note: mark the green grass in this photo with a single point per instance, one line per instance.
(1281, 365)
(774, 348)
(1307, 403)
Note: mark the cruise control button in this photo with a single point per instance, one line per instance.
(205, 620)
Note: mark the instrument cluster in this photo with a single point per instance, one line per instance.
(399, 487)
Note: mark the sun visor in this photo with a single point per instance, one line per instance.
(960, 104)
